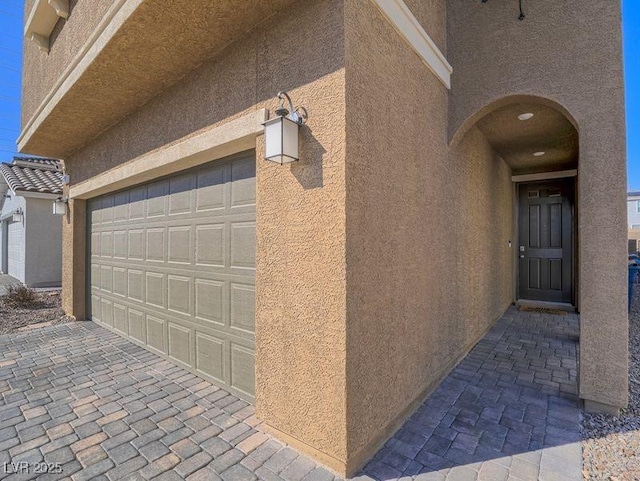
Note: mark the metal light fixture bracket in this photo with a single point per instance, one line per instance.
(297, 114)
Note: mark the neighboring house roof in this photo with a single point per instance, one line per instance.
(33, 175)
(43, 163)
(633, 194)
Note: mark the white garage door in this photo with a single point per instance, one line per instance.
(173, 268)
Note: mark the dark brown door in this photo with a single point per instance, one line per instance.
(545, 247)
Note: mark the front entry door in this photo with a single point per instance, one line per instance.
(545, 243)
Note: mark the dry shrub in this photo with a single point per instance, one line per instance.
(21, 297)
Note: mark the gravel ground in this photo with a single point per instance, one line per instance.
(611, 445)
(46, 308)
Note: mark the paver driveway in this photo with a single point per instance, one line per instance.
(104, 408)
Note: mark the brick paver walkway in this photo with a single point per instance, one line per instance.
(104, 408)
(508, 411)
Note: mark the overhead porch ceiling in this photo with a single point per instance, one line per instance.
(517, 141)
(159, 43)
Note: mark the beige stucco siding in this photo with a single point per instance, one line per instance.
(577, 64)
(300, 280)
(67, 39)
(428, 263)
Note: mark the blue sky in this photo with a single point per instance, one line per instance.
(631, 32)
(11, 47)
(10, 64)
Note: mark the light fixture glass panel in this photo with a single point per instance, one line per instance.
(281, 140)
(290, 139)
(273, 138)
(59, 207)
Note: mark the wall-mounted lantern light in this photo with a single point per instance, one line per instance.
(281, 132)
(17, 216)
(60, 206)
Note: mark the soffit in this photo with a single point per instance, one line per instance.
(152, 50)
(516, 141)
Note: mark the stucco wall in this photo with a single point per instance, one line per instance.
(428, 264)
(300, 283)
(571, 54)
(67, 39)
(43, 262)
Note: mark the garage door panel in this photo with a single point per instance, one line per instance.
(106, 244)
(180, 194)
(135, 244)
(137, 325)
(155, 244)
(106, 309)
(136, 204)
(210, 301)
(119, 278)
(173, 267)
(107, 210)
(155, 333)
(180, 343)
(243, 245)
(242, 368)
(120, 244)
(155, 289)
(106, 278)
(180, 245)
(121, 207)
(243, 191)
(209, 244)
(157, 199)
(179, 294)
(211, 353)
(135, 284)
(96, 311)
(243, 312)
(120, 318)
(210, 189)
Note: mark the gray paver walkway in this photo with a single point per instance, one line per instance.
(106, 409)
(509, 410)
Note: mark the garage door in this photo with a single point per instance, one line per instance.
(173, 269)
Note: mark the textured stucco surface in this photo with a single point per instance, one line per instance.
(67, 39)
(428, 264)
(161, 45)
(74, 237)
(382, 256)
(574, 58)
(300, 281)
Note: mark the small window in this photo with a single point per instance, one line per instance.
(637, 205)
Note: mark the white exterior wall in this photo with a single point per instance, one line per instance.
(43, 262)
(16, 252)
(633, 216)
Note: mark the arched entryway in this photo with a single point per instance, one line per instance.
(539, 142)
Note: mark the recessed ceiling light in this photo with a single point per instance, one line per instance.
(525, 116)
(538, 154)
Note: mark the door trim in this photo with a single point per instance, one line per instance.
(558, 174)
